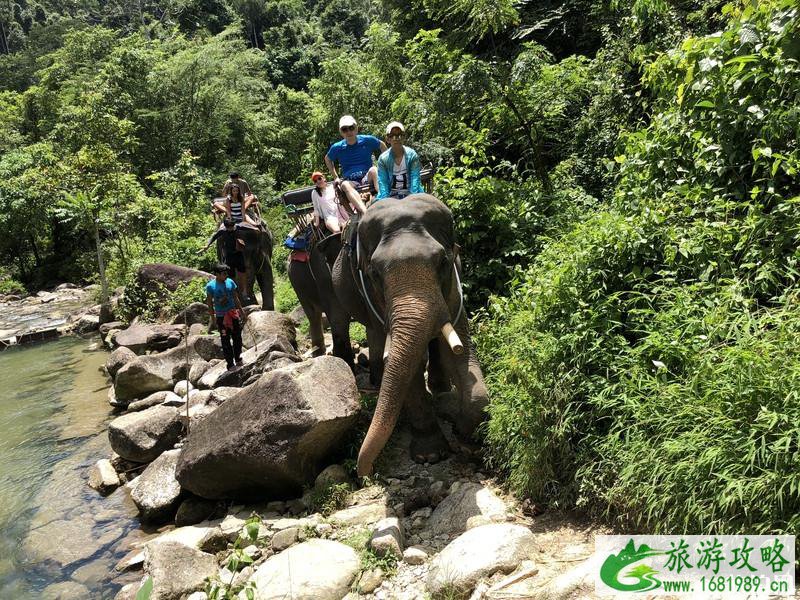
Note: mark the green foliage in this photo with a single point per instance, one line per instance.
(237, 560)
(653, 369)
(358, 540)
(145, 590)
(329, 499)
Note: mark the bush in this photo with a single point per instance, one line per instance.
(654, 369)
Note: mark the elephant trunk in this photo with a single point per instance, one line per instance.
(416, 318)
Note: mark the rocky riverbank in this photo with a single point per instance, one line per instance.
(247, 474)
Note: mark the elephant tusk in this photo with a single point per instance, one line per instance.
(452, 338)
(386, 346)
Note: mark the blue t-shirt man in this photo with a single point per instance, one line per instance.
(222, 293)
(354, 159)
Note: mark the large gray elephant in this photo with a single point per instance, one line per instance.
(312, 282)
(258, 244)
(402, 284)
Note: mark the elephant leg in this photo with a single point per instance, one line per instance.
(265, 282)
(376, 339)
(469, 406)
(340, 332)
(428, 443)
(439, 379)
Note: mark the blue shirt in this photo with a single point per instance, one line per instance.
(222, 293)
(356, 159)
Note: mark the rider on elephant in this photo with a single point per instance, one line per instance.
(399, 167)
(327, 208)
(354, 153)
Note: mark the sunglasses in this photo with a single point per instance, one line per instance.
(318, 179)
(396, 136)
(347, 128)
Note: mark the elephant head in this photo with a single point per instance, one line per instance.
(407, 253)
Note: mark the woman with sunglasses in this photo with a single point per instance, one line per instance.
(399, 167)
(326, 207)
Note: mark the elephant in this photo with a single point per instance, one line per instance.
(312, 282)
(257, 252)
(402, 282)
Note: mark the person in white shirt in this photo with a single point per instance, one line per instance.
(327, 208)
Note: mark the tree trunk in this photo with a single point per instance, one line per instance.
(100, 264)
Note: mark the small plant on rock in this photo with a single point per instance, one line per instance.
(330, 498)
(238, 559)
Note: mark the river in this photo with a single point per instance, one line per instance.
(56, 533)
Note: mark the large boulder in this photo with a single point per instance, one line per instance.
(157, 372)
(269, 439)
(478, 553)
(262, 325)
(142, 337)
(156, 492)
(154, 277)
(142, 436)
(118, 359)
(254, 361)
(196, 312)
(177, 570)
(314, 570)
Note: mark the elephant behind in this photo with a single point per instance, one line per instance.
(402, 284)
(312, 282)
(258, 244)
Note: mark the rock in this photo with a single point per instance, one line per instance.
(468, 500)
(176, 569)
(207, 347)
(387, 537)
(370, 581)
(269, 438)
(132, 561)
(254, 362)
(64, 541)
(163, 397)
(323, 529)
(91, 574)
(197, 370)
(320, 570)
(154, 277)
(197, 596)
(332, 475)
(103, 477)
(156, 372)
(437, 492)
(66, 286)
(476, 554)
(157, 492)
(183, 387)
(109, 326)
(65, 590)
(142, 436)
(142, 337)
(199, 537)
(194, 510)
(195, 313)
(364, 514)
(87, 324)
(415, 555)
(263, 325)
(284, 538)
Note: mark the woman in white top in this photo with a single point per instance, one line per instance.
(326, 207)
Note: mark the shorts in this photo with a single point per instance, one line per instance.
(358, 177)
(236, 262)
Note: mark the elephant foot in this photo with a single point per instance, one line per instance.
(429, 446)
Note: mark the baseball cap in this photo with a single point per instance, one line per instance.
(394, 124)
(346, 121)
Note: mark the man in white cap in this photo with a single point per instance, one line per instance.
(399, 167)
(354, 153)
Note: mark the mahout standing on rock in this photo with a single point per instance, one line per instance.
(225, 306)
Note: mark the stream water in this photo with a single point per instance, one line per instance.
(58, 537)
